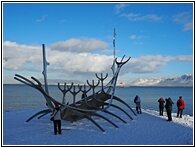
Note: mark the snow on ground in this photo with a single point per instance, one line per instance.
(147, 128)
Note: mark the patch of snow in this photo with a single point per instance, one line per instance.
(147, 128)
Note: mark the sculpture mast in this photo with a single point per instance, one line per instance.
(114, 43)
(45, 64)
(114, 52)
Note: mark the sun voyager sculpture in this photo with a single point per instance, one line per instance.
(87, 107)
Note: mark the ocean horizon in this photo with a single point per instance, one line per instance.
(20, 96)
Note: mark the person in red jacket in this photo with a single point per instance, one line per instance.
(161, 106)
(181, 106)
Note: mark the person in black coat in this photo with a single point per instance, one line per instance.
(168, 107)
(161, 106)
(57, 119)
(137, 101)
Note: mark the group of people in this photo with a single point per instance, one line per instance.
(168, 106)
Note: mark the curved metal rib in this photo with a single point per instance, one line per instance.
(118, 99)
(17, 75)
(44, 114)
(95, 114)
(40, 85)
(40, 112)
(106, 111)
(122, 63)
(38, 88)
(120, 109)
(29, 84)
(83, 113)
(93, 121)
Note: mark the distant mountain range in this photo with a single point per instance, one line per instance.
(184, 80)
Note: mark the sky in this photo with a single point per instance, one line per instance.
(78, 38)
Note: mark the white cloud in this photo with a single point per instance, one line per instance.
(80, 62)
(138, 17)
(16, 56)
(188, 26)
(183, 58)
(79, 45)
(133, 37)
(19, 57)
(42, 18)
(119, 7)
(184, 18)
(153, 63)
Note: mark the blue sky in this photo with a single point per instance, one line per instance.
(79, 39)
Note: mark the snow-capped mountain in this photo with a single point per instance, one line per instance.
(184, 80)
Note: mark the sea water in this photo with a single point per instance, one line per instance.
(19, 96)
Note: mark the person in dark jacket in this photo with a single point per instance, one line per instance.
(57, 119)
(161, 106)
(168, 107)
(181, 105)
(137, 101)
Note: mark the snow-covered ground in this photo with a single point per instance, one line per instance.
(147, 128)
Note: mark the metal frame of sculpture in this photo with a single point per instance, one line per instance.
(87, 107)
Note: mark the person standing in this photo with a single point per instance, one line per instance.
(181, 105)
(57, 119)
(168, 107)
(161, 106)
(137, 101)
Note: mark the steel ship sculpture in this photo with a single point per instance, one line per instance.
(88, 106)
